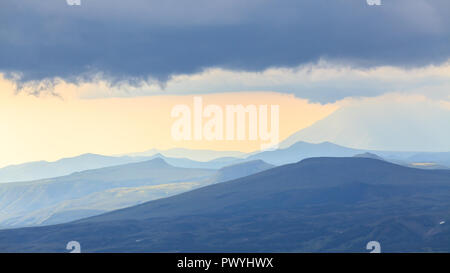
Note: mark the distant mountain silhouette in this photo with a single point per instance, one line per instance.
(240, 170)
(316, 205)
(65, 166)
(44, 169)
(94, 191)
(188, 163)
(438, 158)
(301, 150)
(196, 155)
(369, 155)
(219, 159)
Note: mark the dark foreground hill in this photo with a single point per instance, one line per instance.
(316, 205)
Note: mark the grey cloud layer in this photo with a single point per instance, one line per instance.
(137, 39)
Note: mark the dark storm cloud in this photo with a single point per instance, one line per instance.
(137, 39)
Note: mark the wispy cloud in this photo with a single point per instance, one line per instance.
(321, 82)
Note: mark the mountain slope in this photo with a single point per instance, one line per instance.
(107, 200)
(369, 155)
(122, 197)
(318, 204)
(44, 169)
(382, 126)
(301, 150)
(188, 163)
(196, 155)
(31, 203)
(312, 173)
(241, 170)
(442, 158)
(97, 191)
(65, 166)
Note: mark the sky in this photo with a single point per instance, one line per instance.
(51, 127)
(103, 77)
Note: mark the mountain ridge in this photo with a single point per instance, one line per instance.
(315, 205)
(91, 192)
